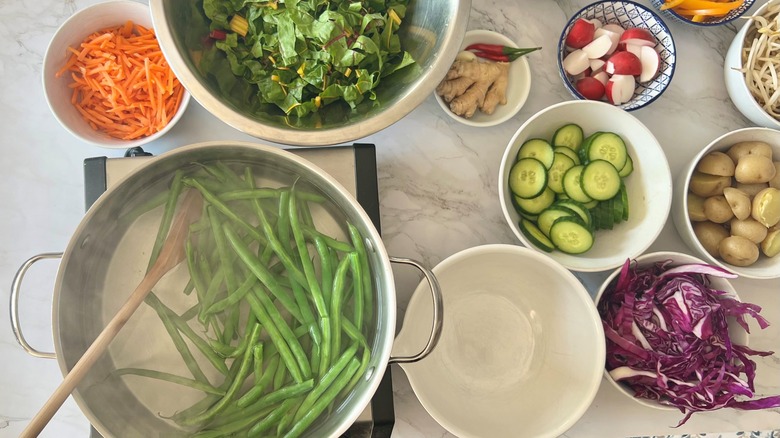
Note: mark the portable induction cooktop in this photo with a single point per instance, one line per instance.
(355, 168)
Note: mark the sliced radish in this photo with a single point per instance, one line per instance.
(598, 47)
(620, 89)
(590, 88)
(576, 62)
(596, 66)
(612, 27)
(595, 22)
(651, 62)
(614, 37)
(602, 77)
(623, 63)
(637, 36)
(581, 33)
(635, 49)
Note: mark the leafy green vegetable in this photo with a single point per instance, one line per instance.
(301, 55)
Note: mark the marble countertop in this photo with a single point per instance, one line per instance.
(438, 192)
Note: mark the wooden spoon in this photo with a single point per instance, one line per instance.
(171, 254)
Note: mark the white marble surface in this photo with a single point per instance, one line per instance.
(438, 191)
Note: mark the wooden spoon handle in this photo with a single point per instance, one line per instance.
(171, 255)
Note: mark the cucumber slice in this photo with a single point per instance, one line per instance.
(590, 205)
(627, 168)
(534, 206)
(579, 210)
(600, 180)
(536, 237)
(568, 152)
(571, 184)
(539, 149)
(609, 218)
(528, 178)
(617, 209)
(571, 235)
(583, 152)
(624, 200)
(609, 147)
(550, 215)
(569, 136)
(561, 163)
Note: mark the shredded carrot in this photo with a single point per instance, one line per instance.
(699, 10)
(122, 85)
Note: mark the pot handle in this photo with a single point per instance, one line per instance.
(16, 286)
(438, 312)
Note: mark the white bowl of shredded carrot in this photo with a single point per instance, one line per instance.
(698, 13)
(106, 80)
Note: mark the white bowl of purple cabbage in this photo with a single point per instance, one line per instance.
(676, 335)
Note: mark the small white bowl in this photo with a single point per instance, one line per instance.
(649, 186)
(735, 81)
(736, 333)
(521, 346)
(71, 34)
(765, 267)
(517, 89)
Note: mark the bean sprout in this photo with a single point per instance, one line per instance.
(760, 59)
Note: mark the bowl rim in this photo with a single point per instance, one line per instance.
(686, 174)
(562, 47)
(53, 107)
(680, 18)
(581, 292)
(686, 258)
(523, 94)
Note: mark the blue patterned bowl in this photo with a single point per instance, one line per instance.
(627, 14)
(711, 21)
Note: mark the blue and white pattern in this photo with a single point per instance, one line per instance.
(712, 21)
(627, 14)
(756, 434)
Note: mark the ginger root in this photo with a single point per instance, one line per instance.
(472, 85)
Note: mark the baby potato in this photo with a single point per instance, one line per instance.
(695, 205)
(710, 235)
(751, 189)
(754, 169)
(775, 182)
(766, 207)
(738, 201)
(771, 244)
(738, 251)
(750, 229)
(741, 149)
(717, 209)
(708, 185)
(716, 163)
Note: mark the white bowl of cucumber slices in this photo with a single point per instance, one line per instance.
(586, 183)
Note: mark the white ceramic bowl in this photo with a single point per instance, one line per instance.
(735, 81)
(765, 267)
(517, 90)
(649, 185)
(708, 22)
(71, 34)
(736, 333)
(521, 345)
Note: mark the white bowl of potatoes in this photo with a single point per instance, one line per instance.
(727, 203)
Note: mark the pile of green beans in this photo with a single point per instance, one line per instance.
(282, 309)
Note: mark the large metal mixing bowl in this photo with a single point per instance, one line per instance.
(431, 32)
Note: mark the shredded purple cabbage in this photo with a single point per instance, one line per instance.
(667, 338)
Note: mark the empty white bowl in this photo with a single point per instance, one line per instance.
(649, 186)
(521, 347)
(71, 34)
(518, 87)
(765, 267)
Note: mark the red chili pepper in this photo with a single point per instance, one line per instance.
(487, 48)
(492, 56)
(217, 34)
(497, 52)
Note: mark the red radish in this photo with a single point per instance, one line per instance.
(581, 33)
(612, 27)
(620, 89)
(623, 63)
(635, 49)
(602, 77)
(637, 36)
(590, 88)
(595, 22)
(596, 65)
(651, 61)
(614, 38)
(598, 47)
(576, 62)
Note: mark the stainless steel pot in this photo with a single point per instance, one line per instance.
(107, 256)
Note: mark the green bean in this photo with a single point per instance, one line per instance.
(310, 323)
(262, 380)
(230, 175)
(272, 418)
(234, 297)
(191, 312)
(232, 391)
(168, 377)
(211, 293)
(326, 266)
(368, 291)
(354, 334)
(336, 303)
(189, 287)
(279, 377)
(356, 269)
(224, 209)
(257, 357)
(276, 337)
(285, 331)
(287, 419)
(200, 284)
(283, 224)
(128, 217)
(323, 402)
(249, 194)
(334, 244)
(262, 274)
(314, 287)
(326, 381)
(167, 218)
(234, 428)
